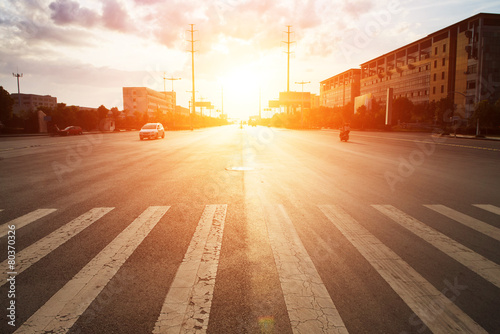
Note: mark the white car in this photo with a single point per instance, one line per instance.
(152, 131)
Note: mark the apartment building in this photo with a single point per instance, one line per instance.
(340, 89)
(146, 100)
(461, 61)
(30, 102)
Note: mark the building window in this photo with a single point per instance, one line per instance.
(471, 84)
(444, 47)
(442, 75)
(435, 50)
(442, 88)
(471, 69)
(435, 63)
(435, 77)
(444, 61)
(433, 90)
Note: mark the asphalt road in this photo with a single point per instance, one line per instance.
(253, 230)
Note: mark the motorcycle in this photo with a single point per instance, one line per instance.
(344, 135)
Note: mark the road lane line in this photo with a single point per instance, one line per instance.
(61, 311)
(485, 268)
(30, 255)
(468, 221)
(437, 312)
(186, 308)
(489, 207)
(25, 220)
(310, 307)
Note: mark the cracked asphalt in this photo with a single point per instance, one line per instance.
(253, 230)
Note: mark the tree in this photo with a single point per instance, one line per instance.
(6, 104)
(102, 112)
(444, 110)
(402, 109)
(487, 114)
(360, 118)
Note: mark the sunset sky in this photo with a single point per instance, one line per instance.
(84, 52)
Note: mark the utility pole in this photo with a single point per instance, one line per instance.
(192, 68)
(259, 104)
(171, 79)
(288, 32)
(173, 94)
(17, 75)
(302, 105)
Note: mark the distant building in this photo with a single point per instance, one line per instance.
(182, 111)
(315, 101)
(340, 89)
(146, 100)
(30, 102)
(293, 100)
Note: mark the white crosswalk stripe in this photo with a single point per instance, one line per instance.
(472, 260)
(187, 306)
(41, 248)
(438, 313)
(489, 207)
(310, 307)
(468, 221)
(25, 220)
(68, 304)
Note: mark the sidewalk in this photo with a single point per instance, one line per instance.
(472, 137)
(48, 135)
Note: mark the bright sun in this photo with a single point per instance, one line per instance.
(241, 92)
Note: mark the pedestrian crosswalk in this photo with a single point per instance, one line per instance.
(311, 307)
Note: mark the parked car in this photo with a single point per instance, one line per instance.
(70, 130)
(152, 131)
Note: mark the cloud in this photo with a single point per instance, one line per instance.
(70, 12)
(115, 17)
(146, 2)
(357, 8)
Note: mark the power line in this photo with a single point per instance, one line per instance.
(171, 79)
(192, 67)
(302, 105)
(288, 32)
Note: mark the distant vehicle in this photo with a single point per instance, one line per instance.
(152, 131)
(70, 130)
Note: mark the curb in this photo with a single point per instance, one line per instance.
(473, 137)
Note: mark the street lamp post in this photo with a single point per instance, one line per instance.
(17, 75)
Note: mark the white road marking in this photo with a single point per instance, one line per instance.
(33, 253)
(310, 307)
(468, 221)
(25, 220)
(489, 207)
(186, 308)
(64, 308)
(438, 313)
(485, 268)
